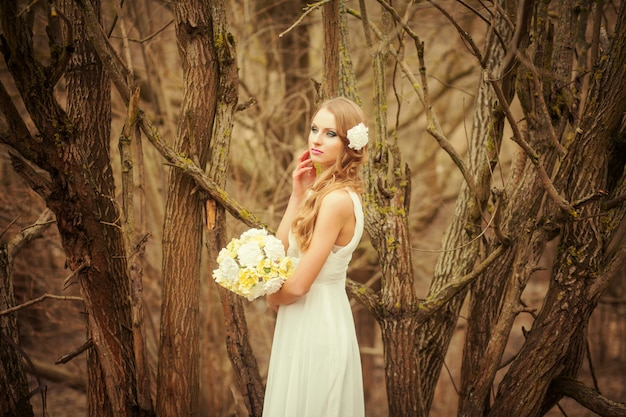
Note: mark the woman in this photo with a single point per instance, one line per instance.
(315, 368)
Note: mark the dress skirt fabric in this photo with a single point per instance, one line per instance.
(315, 365)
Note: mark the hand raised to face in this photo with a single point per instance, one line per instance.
(304, 175)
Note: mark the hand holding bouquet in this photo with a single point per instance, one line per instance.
(253, 265)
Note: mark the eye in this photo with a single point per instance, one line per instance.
(313, 129)
(331, 134)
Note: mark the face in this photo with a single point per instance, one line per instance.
(324, 143)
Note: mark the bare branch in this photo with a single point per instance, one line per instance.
(39, 300)
(588, 397)
(534, 157)
(307, 10)
(438, 300)
(204, 181)
(61, 64)
(545, 123)
(464, 35)
(366, 296)
(30, 233)
(433, 127)
(66, 358)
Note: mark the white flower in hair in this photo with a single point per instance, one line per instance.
(357, 137)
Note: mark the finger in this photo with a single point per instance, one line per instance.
(304, 155)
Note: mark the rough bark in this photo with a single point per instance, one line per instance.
(387, 203)
(462, 245)
(73, 148)
(330, 82)
(234, 327)
(178, 374)
(15, 393)
(581, 271)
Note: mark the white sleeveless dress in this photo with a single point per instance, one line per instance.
(315, 365)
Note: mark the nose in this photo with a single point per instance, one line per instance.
(316, 138)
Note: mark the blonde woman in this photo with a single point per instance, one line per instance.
(315, 366)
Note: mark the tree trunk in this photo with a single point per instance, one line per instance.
(387, 202)
(178, 374)
(461, 244)
(233, 326)
(14, 392)
(74, 149)
(581, 264)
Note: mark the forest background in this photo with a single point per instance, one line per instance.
(490, 282)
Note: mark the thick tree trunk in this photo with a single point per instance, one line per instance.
(233, 326)
(178, 373)
(461, 245)
(580, 274)
(74, 149)
(93, 242)
(388, 188)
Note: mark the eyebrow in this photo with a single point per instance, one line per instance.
(333, 129)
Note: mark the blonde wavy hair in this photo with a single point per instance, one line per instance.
(344, 173)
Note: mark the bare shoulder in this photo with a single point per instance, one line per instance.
(338, 202)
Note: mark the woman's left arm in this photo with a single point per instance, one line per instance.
(335, 211)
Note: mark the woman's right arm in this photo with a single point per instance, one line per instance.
(303, 178)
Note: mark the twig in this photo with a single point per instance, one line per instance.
(67, 281)
(436, 301)
(528, 150)
(433, 127)
(464, 35)
(608, 205)
(68, 50)
(66, 358)
(38, 300)
(307, 10)
(11, 223)
(499, 195)
(539, 96)
(30, 233)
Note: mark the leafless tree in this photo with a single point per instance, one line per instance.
(547, 75)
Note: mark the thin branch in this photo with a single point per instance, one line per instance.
(307, 10)
(6, 229)
(543, 107)
(59, 68)
(528, 150)
(476, 12)
(68, 281)
(611, 204)
(203, 181)
(152, 35)
(497, 217)
(438, 300)
(464, 35)
(433, 127)
(30, 233)
(39, 300)
(366, 296)
(66, 358)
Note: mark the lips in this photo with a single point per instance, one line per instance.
(316, 151)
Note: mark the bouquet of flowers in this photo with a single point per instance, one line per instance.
(253, 265)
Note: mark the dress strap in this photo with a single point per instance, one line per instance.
(358, 215)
